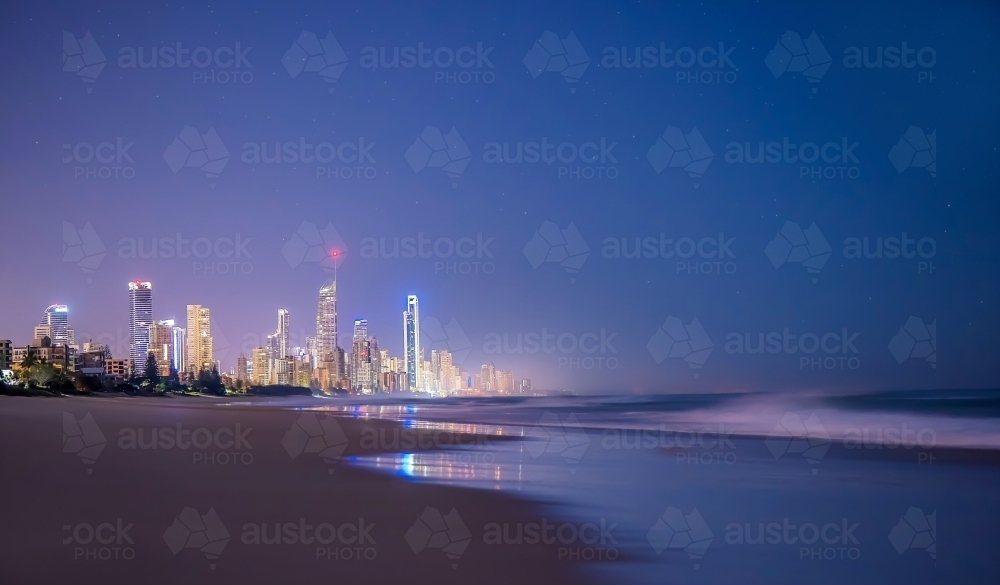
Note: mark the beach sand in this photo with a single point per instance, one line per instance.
(47, 497)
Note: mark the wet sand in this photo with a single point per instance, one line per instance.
(48, 499)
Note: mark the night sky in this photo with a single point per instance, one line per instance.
(886, 183)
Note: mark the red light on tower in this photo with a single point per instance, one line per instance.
(335, 253)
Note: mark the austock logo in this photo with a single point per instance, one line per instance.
(793, 435)
(550, 54)
(587, 541)
(915, 529)
(675, 149)
(464, 65)
(223, 255)
(310, 245)
(916, 339)
(793, 245)
(586, 160)
(83, 57)
(309, 54)
(448, 337)
(916, 149)
(893, 57)
(221, 65)
(827, 541)
(565, 247)
(105, 160)
(792, 54)
(447, 533)
(223, 446)
(84, 248)
(692, 446)
(674, 339)
(311, 434)
(701, 256)
(463, 255)
(822, 351)
(706, 64)
(83, 438)
(447, 152)
(352, 541)
(564, 437)
(104, 542)
(351, 159)
(892, 248)
(191, 529)
(576, 351)
(686, 532)
(191, 149)
(817, 161)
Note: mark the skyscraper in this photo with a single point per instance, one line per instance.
(261, 367)
(199, 340)
(161, 345)
(140, 317)
(411, 342)
(365, 355)
(56, 318)
(241, 368)
(326, 322)
(446, 373)
(282, 332)
(180, 348)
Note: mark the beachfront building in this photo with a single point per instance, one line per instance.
(161, 345)
(260, 364)
(411, 342)
(199, 340)
(55, 325)
(43, 350)
(325, 346)
(140, 318)
(365, 355)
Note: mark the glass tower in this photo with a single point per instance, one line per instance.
(326, 322)
(56, 318)
(140, 317)
(411, 342)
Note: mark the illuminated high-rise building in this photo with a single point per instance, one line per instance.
(56, 318)
(199, 340)
(365, 357)
(283, 371)
(140, 317)
(161, 345)
(488, 378)
(446, 372)
(311, 350)
(284, 350)
(260, 364)
(326, 323)
(241, 368)
(411, 342)
(505, 382)
(180, 347)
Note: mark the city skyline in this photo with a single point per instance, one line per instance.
(508, 245)
(361, 368)
(532, 292)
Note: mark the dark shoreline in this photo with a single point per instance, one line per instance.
(46, 489)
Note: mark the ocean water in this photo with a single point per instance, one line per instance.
(749, 488)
